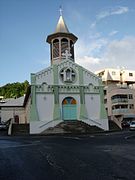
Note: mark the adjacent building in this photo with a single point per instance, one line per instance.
(16, 110)
(119, 94)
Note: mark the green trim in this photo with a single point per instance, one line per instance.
(83, 112)
(56, 94)
(55, 74)
(82, 95)
(80, 70)
(56, 109)
(33, 78)
(56, 112)
(33, 108)
(103, 114)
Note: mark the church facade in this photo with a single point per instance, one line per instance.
(65, 91)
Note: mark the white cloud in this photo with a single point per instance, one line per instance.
(120, 10)
(89, 46)
(116, 53)
(121, 52)
(110, 12)
(112, 33)
(114, 11)
(88, 60)
(88, 50)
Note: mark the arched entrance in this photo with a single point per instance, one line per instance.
(69, 109)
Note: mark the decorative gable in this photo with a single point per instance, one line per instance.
(45, 76)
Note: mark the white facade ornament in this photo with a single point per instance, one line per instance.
(67, 54)
(67, 75)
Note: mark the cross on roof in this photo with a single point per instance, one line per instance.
(67, 54)
(60, 11)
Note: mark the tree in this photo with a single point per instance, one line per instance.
(14, 90)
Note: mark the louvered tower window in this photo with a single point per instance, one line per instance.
(56, 48)
(64, 45)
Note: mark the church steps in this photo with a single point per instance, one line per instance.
(72, 127)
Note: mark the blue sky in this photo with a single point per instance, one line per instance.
(105, 31)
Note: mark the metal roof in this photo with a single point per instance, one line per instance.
(61, 26)
(13, 102)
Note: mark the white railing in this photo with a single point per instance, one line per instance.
(10, 127)
(93, 121)
(120, 111)
(120, 100)
(46, 123)
(118, 121)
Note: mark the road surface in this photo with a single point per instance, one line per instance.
(105, 156)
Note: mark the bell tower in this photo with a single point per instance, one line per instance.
(61, 42)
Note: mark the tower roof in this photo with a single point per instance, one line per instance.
(61, 26)
(61, 31)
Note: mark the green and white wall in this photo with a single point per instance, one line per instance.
(48, 92)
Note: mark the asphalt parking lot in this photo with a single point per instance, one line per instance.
(107, 156)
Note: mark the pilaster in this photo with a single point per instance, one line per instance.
(56, 108)
(83, 110)
(103, 114)
(33, 109)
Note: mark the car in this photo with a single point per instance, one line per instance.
(132, 125)
(125, 124)
(3, 126)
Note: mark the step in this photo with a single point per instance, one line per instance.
(72, 127)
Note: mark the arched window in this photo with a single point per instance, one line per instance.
(67, 75)
(69, 100)
(64, 45)
(55, 48)
(72, 49)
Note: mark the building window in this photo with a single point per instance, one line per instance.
(56, 48)
(130, 74)
(67, 75)
(72, 49)
(64, 45)
(16, 119)
(131, 106)
(105, 92)
(113, 73)
(105, 101)
(130, 96)
(101, 74)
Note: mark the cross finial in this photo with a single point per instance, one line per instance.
(67, 54)
(60, 10)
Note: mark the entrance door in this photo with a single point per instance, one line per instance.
(69, 109)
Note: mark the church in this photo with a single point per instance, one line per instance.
(65, 91)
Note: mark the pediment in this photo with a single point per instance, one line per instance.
(69, 63)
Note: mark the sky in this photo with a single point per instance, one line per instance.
(105, 31)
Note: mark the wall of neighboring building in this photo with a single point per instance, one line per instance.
(27, 110)
(119, 92)
(128, 76)
(10, 112)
